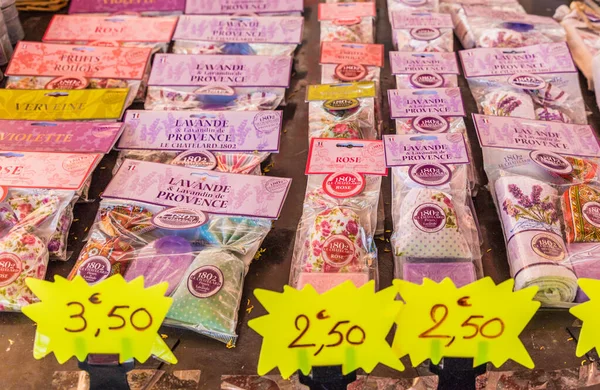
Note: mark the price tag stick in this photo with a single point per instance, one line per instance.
(106, 372)
(327, 378)
(456, 373)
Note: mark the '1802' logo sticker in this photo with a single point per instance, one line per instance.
(179, 218)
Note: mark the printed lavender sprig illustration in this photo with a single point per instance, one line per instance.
(531, 209)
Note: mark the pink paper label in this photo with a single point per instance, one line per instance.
(411, 63)
(66, 171)
(337, 155)
(483, 2)
(544, 58)
(240, 29)
(407, 20)
(232, 71)
(234, 131)
(508, 16)
(112, 6)
(410, 103)
(346, 11)
(413, 149)
(212, 7)
(81, 137)
(47, 59)
(69, 28)
(352, 53)
(517, 133)
(207, 191)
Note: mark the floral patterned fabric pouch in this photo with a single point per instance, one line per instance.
(347, 22)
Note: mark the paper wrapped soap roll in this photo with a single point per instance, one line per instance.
(429, 228)
(527, 204)
(581, 211)
(164, 260)
(536, 250)
(23, 255)
(335, 246)
(209, 294)
(461, 273)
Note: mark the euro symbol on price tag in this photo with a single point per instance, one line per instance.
(344, 326)
(111, 317)
(481, 320)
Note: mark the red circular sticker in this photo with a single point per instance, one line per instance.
(68, 82)
(347, 21)
(350, 72)
(338, 250)
(344, 184)
(10, 268)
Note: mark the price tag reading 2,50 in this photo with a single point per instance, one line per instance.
(481, 321)
(344, 326)
(111, 317)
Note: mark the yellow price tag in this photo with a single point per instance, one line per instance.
(111, 317)
(344, 326)
(481, 321)
(589, 313)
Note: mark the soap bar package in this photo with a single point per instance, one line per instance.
(238, 35)
(534, 82)
(146, 8)
(206, 82)
(544, 181)
(342, 111)
(485, 27)
(224, 141)
(38, 190)
(343, 62)
(115, 30)
(347, 22)
(431, 201)
(424, 70)
(196, 230)
(334, 240)
(63, 104)
(37, 65)
(244, 7)
(422, 31)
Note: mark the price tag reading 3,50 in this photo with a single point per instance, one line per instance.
(481, 321)
(111, 317)
(344, 326)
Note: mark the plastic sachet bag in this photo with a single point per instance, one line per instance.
(347, 22)
(113, 30)
(37, 65)
(343, 62)
(227, 141)
(197, 230)
(237, 35)
(582, 25)
(342, 111)
(62, 137)
(424, 70)
(238, 83)
(431, 208)
(422, 31)
(534, 82)
(533, 167)
(334, 240)
(485, 27)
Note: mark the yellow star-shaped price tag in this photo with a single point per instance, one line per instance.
(344, 326)
(481, 321)
(111, 317)
(589, 313)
